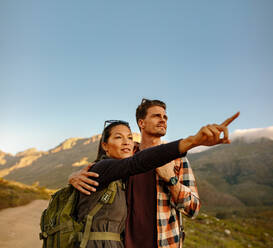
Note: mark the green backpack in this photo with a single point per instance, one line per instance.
(59, 228)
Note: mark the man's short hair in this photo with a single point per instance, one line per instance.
(142, 109)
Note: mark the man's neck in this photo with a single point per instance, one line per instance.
(149, 141)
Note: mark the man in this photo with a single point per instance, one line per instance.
(155, 199)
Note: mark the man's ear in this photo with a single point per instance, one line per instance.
(104, 146)
(141, 123)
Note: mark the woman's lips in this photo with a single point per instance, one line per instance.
(126, 150)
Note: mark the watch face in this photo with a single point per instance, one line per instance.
(173, 180)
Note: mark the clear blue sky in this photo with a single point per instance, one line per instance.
(66, 66)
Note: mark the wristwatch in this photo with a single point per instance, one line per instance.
(173, 181)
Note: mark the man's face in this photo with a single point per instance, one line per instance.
(155, 122)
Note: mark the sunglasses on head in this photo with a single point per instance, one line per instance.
(144, 100)
(109, 122)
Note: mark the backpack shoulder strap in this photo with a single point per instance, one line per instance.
(107, 198)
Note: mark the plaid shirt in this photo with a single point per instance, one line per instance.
(167, 210)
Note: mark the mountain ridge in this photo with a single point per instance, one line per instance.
(239, 174)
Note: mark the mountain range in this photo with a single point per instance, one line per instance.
(239, 174)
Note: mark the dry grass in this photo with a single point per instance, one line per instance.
(14, 194)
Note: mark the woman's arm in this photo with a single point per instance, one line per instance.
(113, 169)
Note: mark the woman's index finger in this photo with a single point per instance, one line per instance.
(231, 119)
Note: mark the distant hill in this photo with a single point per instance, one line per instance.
(241, 170)
(239, 174)
(52, 168)
(13, 194)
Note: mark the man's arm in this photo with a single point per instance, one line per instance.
(185, 194)
(188, 199)
(81, 181)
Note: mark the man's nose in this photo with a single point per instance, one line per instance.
(162, 119)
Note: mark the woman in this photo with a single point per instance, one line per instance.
(115, 162)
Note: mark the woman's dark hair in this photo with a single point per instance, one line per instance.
(106, 134)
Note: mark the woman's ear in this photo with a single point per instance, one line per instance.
(104, 146)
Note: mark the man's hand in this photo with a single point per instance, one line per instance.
(80, 180)
(208, 135)
(166, 171)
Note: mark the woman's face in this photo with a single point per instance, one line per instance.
(120, 143)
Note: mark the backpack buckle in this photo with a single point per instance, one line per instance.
(43, 235)
(106, 197)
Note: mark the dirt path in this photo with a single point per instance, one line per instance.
(19, 227)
